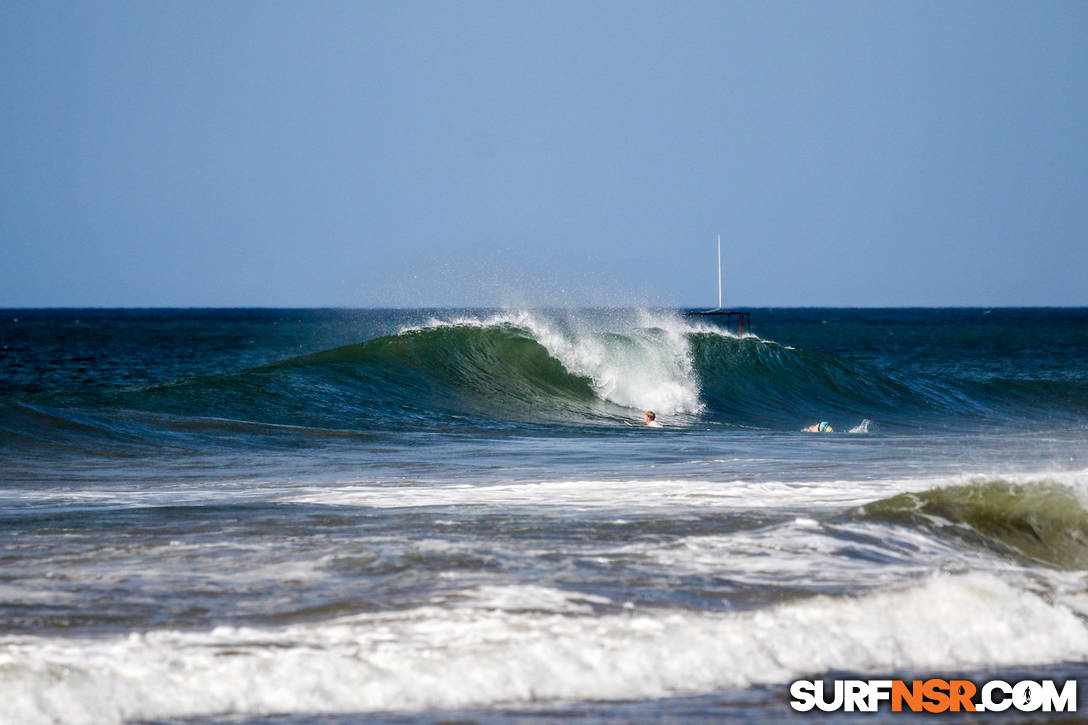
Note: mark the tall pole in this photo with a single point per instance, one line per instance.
(719, 271)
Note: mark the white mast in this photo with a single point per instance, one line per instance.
(719, 271)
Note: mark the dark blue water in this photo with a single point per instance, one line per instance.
(287, 514)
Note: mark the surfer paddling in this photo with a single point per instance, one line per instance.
(822, 427)
(651, 419)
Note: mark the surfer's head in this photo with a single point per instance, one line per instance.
(824, 427)
(650, 416)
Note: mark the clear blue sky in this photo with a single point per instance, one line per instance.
(465, 153)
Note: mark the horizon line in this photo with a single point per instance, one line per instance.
(550, 307)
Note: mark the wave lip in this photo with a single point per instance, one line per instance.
(509, 646)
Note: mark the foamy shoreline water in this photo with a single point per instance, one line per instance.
(519, 644)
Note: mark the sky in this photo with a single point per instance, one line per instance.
(446, 154)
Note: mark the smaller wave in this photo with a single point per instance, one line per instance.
(1042, 521)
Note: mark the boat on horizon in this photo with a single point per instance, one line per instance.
(742, 319)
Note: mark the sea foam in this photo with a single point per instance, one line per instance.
(643, 364)
(507, 645)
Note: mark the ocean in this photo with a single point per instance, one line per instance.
(293, 516)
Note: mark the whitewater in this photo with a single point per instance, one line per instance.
(416, 515)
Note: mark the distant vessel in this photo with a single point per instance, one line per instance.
(743, 320)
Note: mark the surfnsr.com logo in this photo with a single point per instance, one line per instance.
(934, 695)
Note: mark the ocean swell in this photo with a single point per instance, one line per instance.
(522, 367)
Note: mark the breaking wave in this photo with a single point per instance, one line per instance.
(522, 367)
(521, 644)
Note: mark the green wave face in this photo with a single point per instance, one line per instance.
(1041, 522)
(529, 371)
(499, 371)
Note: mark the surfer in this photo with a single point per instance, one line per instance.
(822, 427)
(651, 419)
